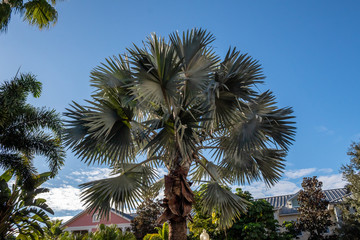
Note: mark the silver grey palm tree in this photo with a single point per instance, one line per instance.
(175, 104)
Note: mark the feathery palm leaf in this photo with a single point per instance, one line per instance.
(26, 131)
(40, 13)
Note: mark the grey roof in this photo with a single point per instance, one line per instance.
(332, 195)
(127, 215)
(278, 201)
(288, 211)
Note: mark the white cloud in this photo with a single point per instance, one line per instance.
(260, 190)
(325, 130)
(63, 198)
(63, 218)
(91, 175)
(332, 181)
(326, 170)
(294, 174)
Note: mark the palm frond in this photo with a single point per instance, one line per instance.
(40, 13)
(5, 15)
(114, 78)
(216, 198)
(262, 126)
(198, 59)
(31, 143)
(154, 190)
(233, 86)
(120, 192)
(100, 133)
(157, 73)
(23, 168)
(250, 166)
(208, 171)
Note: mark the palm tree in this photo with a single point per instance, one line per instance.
(21, 213)
(176, 104)
(26, 131)
(40, 13)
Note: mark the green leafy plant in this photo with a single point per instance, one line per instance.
(111, 233)
(163, 233)
(173, 104)
(22, 213)
(145, 221)
(257, 223)
(350, 207)
(314, 215)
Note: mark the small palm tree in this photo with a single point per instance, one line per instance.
(40, 13)
(21, 213)
(175, 104)
(26, 131)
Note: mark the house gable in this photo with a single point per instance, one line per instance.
(86, 219)
(89, 221)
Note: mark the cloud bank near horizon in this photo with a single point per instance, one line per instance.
(66, 196)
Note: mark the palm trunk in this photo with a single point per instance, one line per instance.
(177, 229)
(177, 203)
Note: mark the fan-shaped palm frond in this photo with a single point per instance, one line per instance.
(198, 60)
(120, 192)
(247, 167)
(215, 197)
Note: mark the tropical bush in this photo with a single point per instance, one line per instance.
(111, 233)
(163, 233)
(21, 213)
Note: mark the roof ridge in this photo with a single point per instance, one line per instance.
(297, 192)
(275, 196)
(333, 189)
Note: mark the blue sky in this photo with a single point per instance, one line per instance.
(309, 51)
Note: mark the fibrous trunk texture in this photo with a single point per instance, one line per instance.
(177, 203)
(177, 229)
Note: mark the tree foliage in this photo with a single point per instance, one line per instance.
(26, 131)
(21, 213)
(40, 13)
(350, 207)
(145, 221)
(111, 233)
(314, 216)
(170, 103)
(53, 230)
(257, 223)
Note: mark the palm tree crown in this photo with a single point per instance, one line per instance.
(40, 13)
(26, 131)
(176, 104)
